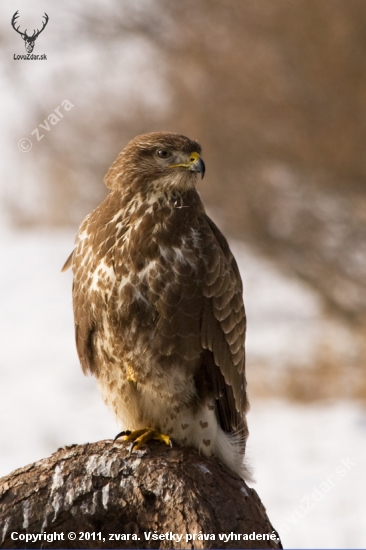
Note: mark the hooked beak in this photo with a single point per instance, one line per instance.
(195, 164)
(198, 166)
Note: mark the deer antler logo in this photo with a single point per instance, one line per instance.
(28, 40)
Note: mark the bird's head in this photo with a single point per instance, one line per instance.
(159, 161)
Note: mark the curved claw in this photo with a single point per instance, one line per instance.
(125, 432)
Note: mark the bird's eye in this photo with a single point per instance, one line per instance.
(163, 153)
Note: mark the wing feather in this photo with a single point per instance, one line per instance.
(223, 328)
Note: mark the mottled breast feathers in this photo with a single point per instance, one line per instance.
(157, 289)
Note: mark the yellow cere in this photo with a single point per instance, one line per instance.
(193, 157)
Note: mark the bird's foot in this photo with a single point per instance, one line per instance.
(140, 437)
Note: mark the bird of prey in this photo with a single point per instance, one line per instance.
(158, 307)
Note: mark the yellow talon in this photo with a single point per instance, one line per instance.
(140, 437)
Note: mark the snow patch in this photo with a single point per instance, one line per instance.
(105, 496)
(5, 529)
(26, 509)
(99, 465)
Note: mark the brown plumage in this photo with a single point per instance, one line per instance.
(159, 314)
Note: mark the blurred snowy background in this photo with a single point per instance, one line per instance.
(275, 94)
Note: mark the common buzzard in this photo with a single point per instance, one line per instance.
(159, 314)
